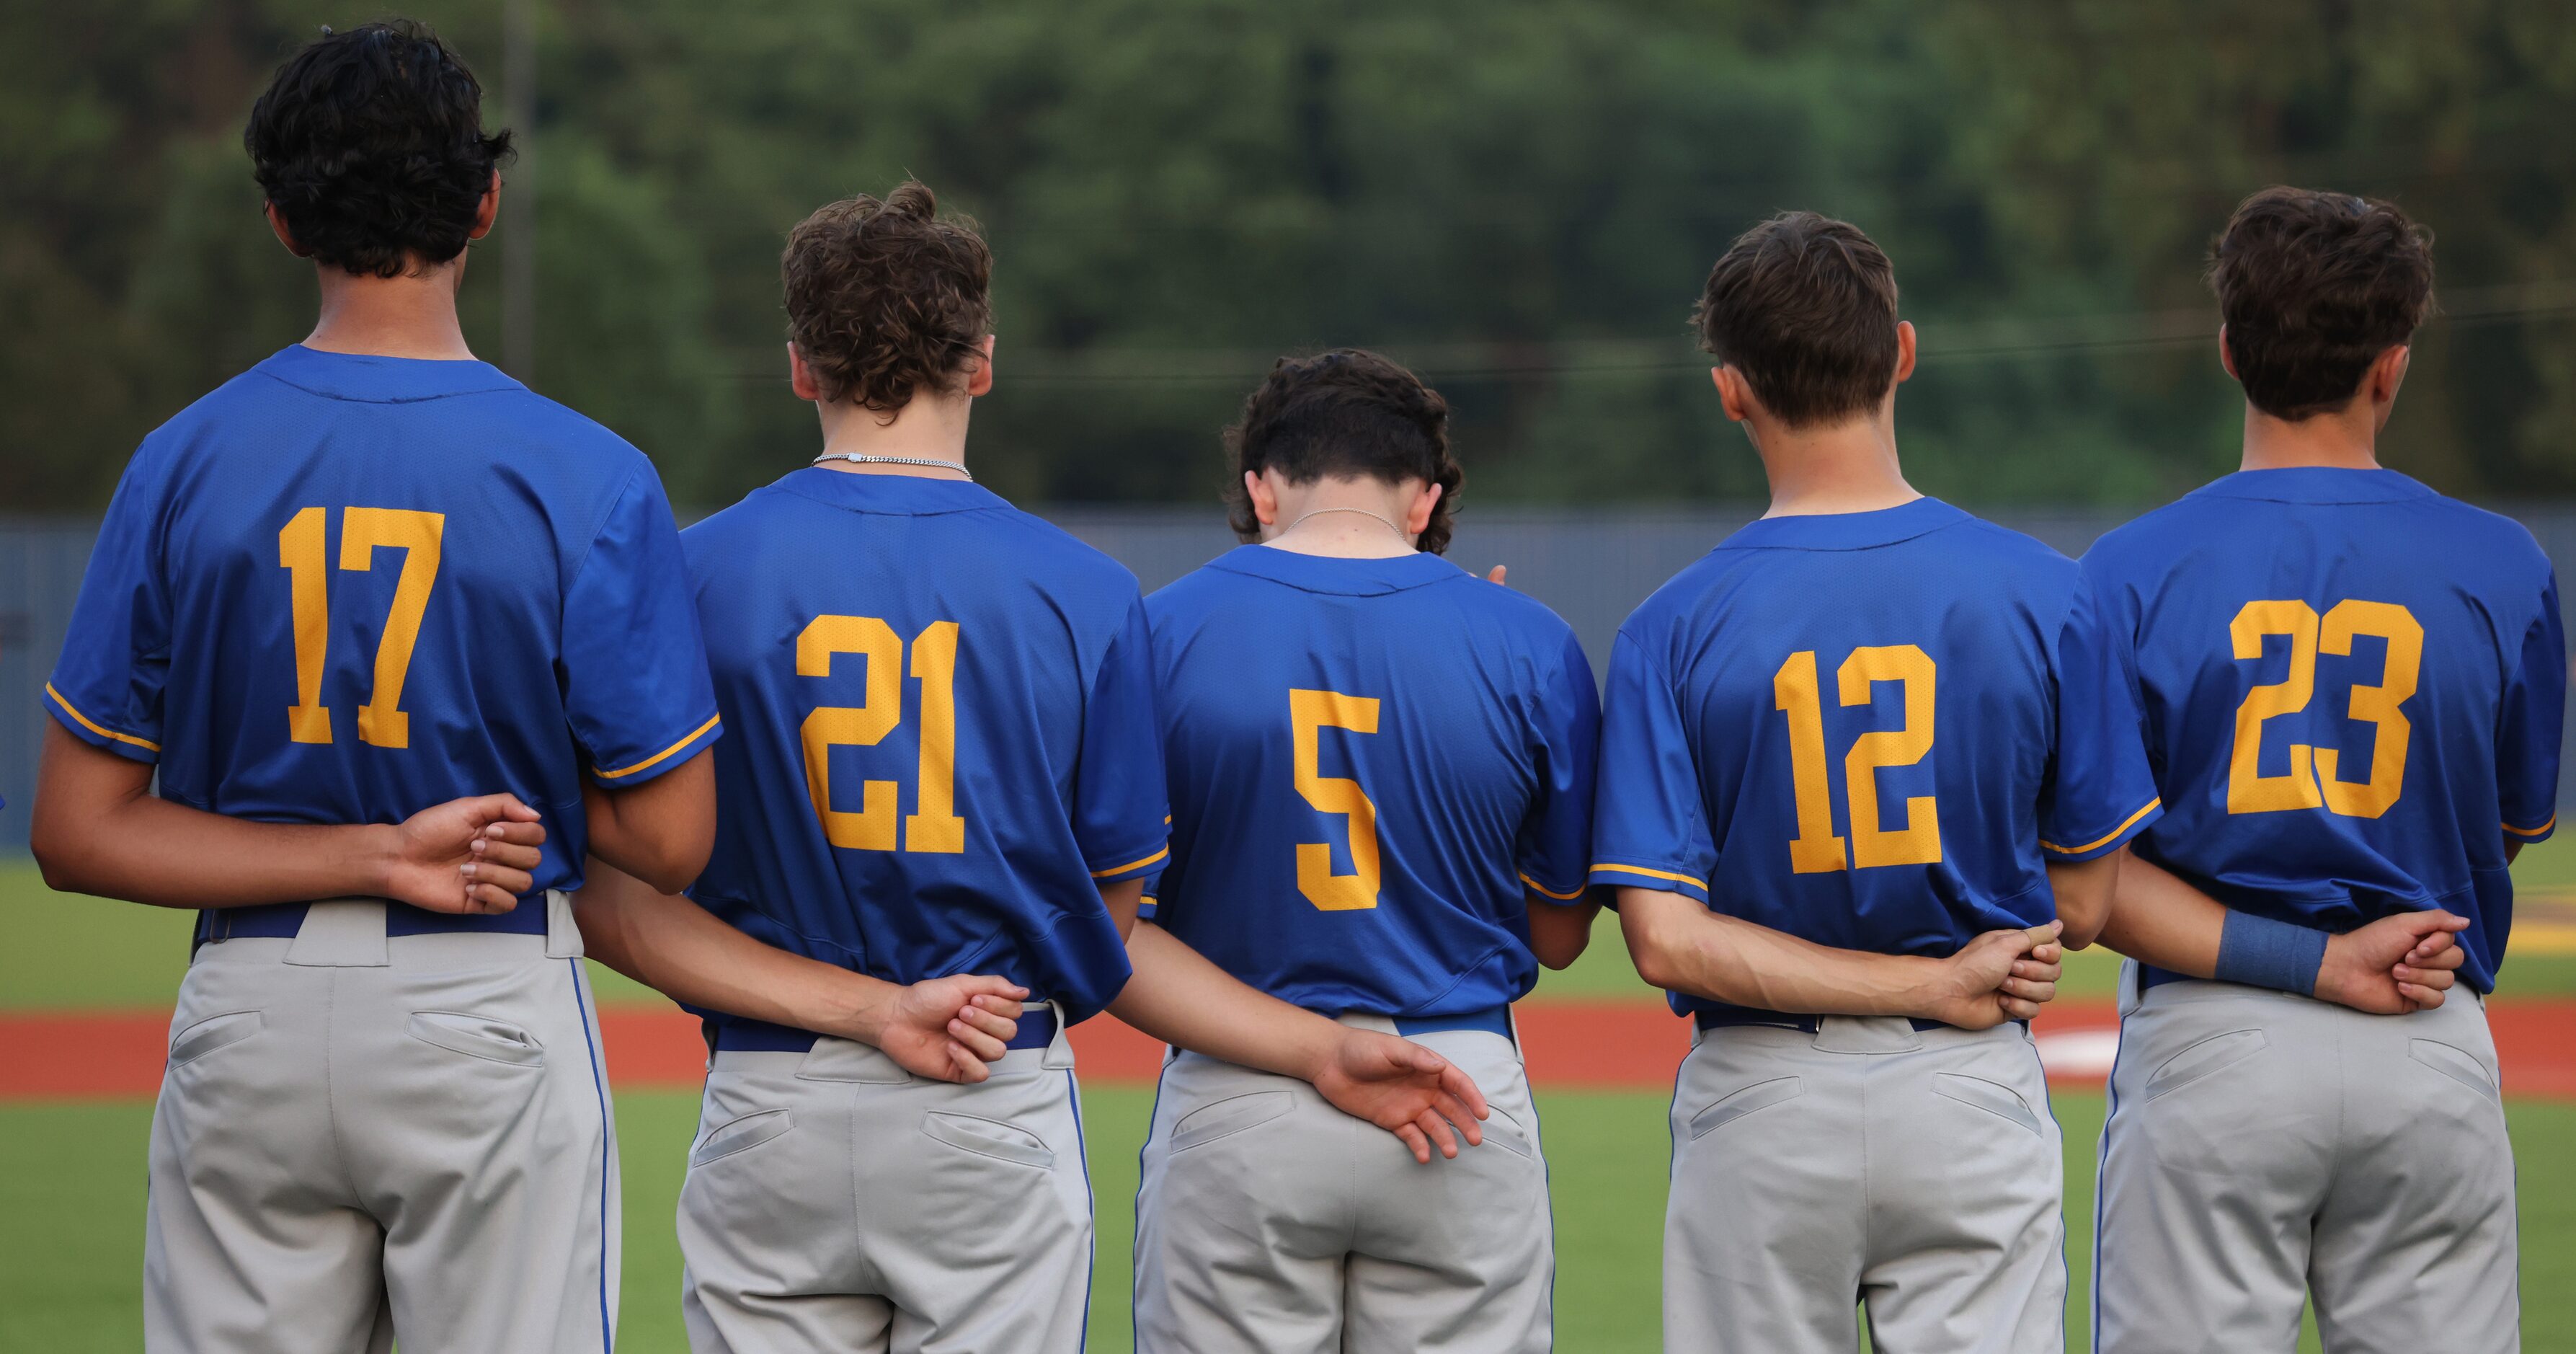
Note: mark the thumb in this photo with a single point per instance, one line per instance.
(2431, 922)
(1495, 574)
(501, 808)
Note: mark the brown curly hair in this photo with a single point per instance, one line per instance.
(1342, 415)
(886, 298)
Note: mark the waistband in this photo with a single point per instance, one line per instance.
(1492, 1020)
(1738, 1016)
(1037, 1030)
(281, 921)
(2151, 976)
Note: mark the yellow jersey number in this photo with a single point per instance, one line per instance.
(2311, 781)
(1816, 850)
(1309, 714)
(300, 551)
(934, 826)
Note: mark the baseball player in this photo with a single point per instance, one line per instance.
(378, 620)
(1854, 764)
(1381, 773)
(2353, 690)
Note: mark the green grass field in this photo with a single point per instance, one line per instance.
(71, 1175)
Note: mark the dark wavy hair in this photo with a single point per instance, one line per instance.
(1805, 307)
(2314, 287)
(886, 297)
(370, 144)
(1342, 415)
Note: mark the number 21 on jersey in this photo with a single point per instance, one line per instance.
(934, 826)
(1816, 850)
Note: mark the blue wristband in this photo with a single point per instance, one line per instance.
(2260, 952)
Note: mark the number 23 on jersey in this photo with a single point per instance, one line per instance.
(2312, 782)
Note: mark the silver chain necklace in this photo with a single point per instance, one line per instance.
(1301, 521)
(855, 458)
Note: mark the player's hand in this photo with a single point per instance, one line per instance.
(946, 1029)
(1404, 1088)
(466, 855)
(2394, 965)
(1495, 575)
(1999, 976)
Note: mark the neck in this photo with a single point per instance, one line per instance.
(2346, 439)
(1342, 519)
(409, 315)
(927, 428)
(1846, 467)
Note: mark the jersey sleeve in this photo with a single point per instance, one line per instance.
(106, 688)
(2100, 791)
(1650, 826)
(634, 666)
(1557, 834)
(1121, 810)
(2530, 724)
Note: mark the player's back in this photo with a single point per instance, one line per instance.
(2352, 689)
(1860, 729)
(1368, 760)
(341, 589)
(943, 733)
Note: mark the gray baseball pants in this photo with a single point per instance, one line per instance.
(2263, 1147)
(361, 1138)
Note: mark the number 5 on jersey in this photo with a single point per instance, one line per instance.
(1309, 714)
(935, 826)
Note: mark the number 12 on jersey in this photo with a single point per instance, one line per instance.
(1816, 850)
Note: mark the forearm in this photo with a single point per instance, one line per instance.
(2158, 919)
(98, 829)
(669, 943)
(1179, 997)
(1680, 945)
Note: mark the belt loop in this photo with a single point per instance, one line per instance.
(1059, 1050)
(563, 935)
(341, 933)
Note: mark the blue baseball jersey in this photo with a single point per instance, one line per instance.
(343, 589)
(2352, 691)
(942, 735)
(1868, 730)
(1370, 761)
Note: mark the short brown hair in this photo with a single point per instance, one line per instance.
(1805, 307)
(1344, 414)
(2314, 287)
(887, 298)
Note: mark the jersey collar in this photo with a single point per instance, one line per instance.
(899, 495)
(2316, 484)
(1340, 577)
(1846, 530)
(381, 380)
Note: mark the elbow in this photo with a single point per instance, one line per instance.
(1650, 951)
(2080, 927)
(1558, 956)
(60, 858)
(673, 871)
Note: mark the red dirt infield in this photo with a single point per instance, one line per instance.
(1622, 1045)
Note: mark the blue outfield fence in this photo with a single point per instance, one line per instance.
(1593, 567)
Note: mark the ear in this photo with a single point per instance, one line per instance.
(2225, 358)
(285, 236)
(1735, 393)
(1418, 515)
(1265, 500)
(1904, 350)
(800, 378)
(488, 210)
(981, 382)
(2387, 374)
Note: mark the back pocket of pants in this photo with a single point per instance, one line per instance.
(2458, 1064)
(212, 1033)
(1229, 1116)
(1991, 1096)
(988, 1138)
(2206, 1058)
(740, 1135)
(1761, 1095)
(477, 1037)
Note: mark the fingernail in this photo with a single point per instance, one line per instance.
(468, 869)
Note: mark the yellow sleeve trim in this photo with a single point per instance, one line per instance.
(92, 725)
(658, 757)
(2517, 831)
(2113, 835)
(1650, 874)
(1132, 865)
(1542, 888)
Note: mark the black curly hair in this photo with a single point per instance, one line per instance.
(1342, 415)
(370, 144)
